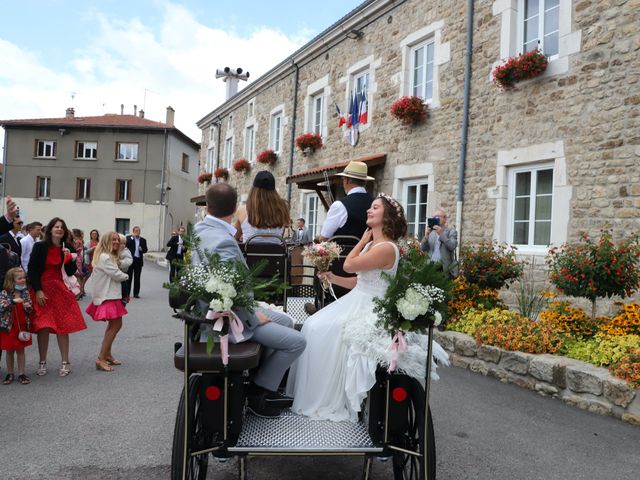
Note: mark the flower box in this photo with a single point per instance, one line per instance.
(241, 165)
(267, 156)
(221, 172)
(205, 177)
(410, 110)
(309, 142)
(525, 66)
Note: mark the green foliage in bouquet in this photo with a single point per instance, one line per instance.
(416, 296)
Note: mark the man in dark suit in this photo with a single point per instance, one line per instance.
(10, 238)
(137, 245)
(175, 254)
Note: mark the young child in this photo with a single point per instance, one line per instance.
(106, 295)
(15, 308)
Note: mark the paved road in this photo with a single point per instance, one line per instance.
(99, 426)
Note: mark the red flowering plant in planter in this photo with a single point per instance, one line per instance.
(309, 142)
(241, 165)
(205, 177)
(521, 67)
(267, 156)
(221, 172)
(410, 110)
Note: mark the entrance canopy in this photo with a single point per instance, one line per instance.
(316, 178)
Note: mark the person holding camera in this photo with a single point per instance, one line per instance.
(440, 243)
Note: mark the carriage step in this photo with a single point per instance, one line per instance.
(291, 433)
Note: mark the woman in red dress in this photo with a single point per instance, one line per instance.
(55, 307)
(15, 306)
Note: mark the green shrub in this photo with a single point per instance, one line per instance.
(603, 350)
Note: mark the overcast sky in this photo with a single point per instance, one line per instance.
(151, 53)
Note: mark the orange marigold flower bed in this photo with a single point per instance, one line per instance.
(627, 322)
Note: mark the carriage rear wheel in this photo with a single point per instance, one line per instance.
(407, 466)
(197, 437)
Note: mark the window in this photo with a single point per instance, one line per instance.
(230, 126)
(211, 159)
(541, 26)
(185, 163)
(249, 143)
(228, 152)
(422, 70)
(127, 151)
(43, 187)
(45, 149)
(361, 85)
(123, 190)
(317, 109)
(250, 109)
(86, 150)
(310, 212)
(531, 205)
(122, 226)
(83, 189)
(211, 133)
(415, 195)
(276, 132)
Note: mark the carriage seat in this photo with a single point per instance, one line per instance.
(242, 356)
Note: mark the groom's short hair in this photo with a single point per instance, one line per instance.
(222, 200)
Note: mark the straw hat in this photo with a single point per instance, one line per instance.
(357, 170)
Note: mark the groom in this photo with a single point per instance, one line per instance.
(271, 329)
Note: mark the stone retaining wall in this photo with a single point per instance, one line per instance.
(575, 383)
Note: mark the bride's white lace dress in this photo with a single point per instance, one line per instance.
(344, 346)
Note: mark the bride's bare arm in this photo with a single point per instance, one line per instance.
(344, 282)
(382, 256)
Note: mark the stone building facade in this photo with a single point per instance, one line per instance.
(110, 172)
(556, 155)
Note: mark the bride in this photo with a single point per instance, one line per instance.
(344, 346)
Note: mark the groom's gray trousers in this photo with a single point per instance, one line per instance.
(283, 345)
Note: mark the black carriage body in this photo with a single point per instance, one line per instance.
(222, 400)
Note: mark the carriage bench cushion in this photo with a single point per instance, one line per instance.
(242, 356)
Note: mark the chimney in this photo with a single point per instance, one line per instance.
(135, 110)
(170, 116)
(141, 113)
(70, 112)
(122, 109)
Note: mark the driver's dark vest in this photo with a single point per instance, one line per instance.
(356, 205)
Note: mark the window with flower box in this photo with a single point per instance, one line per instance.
(228, 152)
(422, 60)
(317, 113)
(86, 150)
(540, 26)
(250, 144)
(45, 149)
(211, 159)
(275, 132)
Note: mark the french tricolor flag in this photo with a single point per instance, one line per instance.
(364, 104)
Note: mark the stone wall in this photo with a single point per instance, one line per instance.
(576, 383)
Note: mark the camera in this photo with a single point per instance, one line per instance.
(432, 221)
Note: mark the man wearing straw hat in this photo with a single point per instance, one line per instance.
(348, 216)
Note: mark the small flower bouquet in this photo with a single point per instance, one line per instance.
(521, 67)
(267, 156)
(410, 110)
(241, 165)
(205, 177)
(408, 244)
(309, 142)
(321, 256)
(221, 172)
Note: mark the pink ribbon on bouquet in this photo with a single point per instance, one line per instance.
(235, 325)
(398, 344)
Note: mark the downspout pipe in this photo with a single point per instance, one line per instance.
(4, 171)
(293, 127)
(163, 193)
(465, 122)
(218, 123)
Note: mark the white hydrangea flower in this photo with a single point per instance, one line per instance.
(216, 305)
(437, 318)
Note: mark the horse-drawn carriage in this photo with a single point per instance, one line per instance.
(212, 420)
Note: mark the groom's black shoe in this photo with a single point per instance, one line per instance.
(259, 406)
(278, 400)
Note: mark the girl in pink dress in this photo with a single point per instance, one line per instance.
(15, 307)
(106, 293)
(55, 309)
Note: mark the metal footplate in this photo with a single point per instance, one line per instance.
(296, 434)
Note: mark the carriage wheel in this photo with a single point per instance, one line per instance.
(412, 467)
(197, 465)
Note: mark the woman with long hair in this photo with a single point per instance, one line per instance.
(344, 345)
(106, 304)
(265, 211)
(94, 238)
(55, 307)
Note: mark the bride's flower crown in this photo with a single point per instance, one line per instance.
(393, 203)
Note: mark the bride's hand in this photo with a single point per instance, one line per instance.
(366, 236)
(328, 276)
